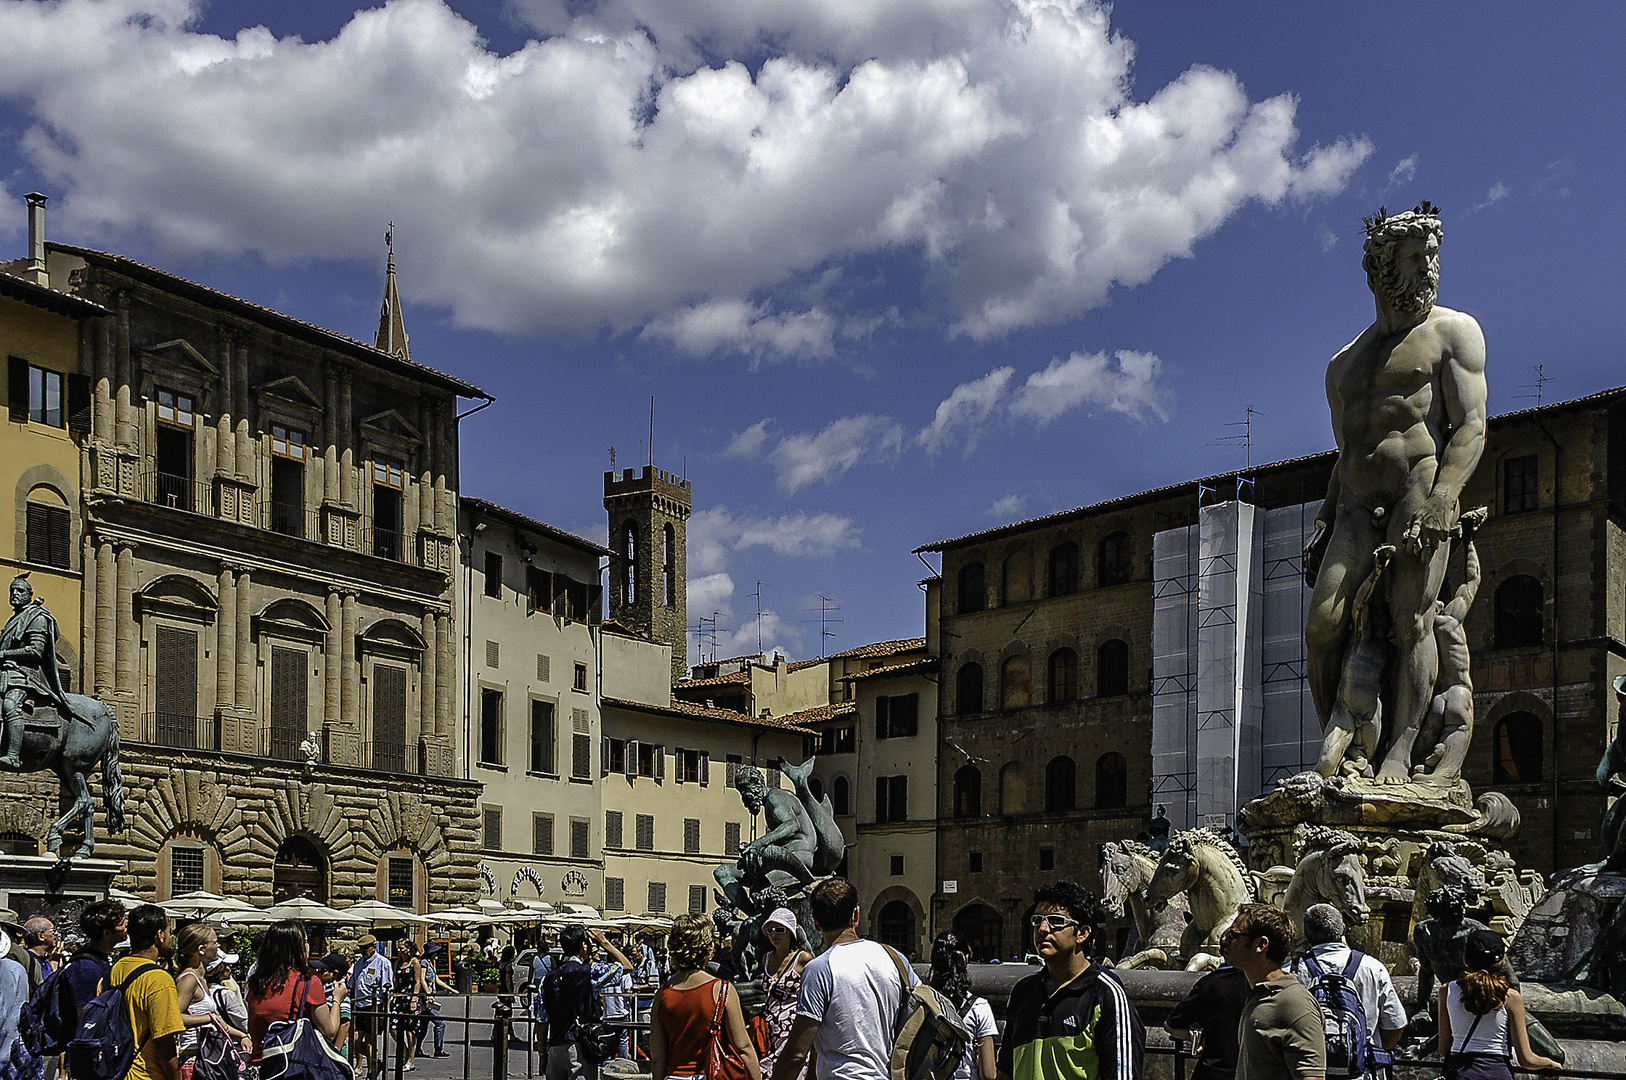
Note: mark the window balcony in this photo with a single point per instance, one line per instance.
(177, 492)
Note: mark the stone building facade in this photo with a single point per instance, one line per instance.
(268, 544)
(1050, 668)
(648, 511)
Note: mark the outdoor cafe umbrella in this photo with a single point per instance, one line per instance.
(460, 917)
(301, 908)
(379, 913)
(200, 903)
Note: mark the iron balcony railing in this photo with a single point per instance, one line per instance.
(179, 730)
(177, 492)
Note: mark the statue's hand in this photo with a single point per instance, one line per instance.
(1431, 524)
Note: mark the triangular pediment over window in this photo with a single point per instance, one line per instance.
(393, 424)
(179, 353)
(290, 388)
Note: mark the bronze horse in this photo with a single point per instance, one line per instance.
(71, 747)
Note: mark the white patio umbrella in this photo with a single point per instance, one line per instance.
(126, 898)
(460, 917)
(201, 903)
(300, 908)
(379, 913)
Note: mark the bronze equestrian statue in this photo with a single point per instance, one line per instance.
(45, 727)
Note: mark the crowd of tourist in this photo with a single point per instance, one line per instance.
(835, 1015)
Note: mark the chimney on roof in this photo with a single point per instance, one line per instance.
(36, 240)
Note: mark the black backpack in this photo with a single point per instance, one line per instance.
(104, 1046)
(47, 1020)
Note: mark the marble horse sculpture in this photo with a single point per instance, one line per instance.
(1201, 864)
(1329, 872)
(1126, 872)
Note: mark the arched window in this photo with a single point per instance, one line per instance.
(1117, 560)
(1112, 669)
(968, 792)
(669, 564)
(1519, 602)
(1518, 748)
(1014, 691)
(1064, 569)
(841, 796)
(18, 843)
(1060, 784)
(299, 870)
(968, 689)
(1016, 578)
(1063, 675)
(1111, 782)
(1013, 789)
(629, 566)
(973, 590)
(896, 927)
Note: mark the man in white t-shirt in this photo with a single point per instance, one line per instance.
(848, 1008)
(1324, 930)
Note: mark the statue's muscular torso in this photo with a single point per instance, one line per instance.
(1389, 408)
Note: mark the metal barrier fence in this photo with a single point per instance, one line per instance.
(512, 1014)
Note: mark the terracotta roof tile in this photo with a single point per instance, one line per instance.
(881, 648)
(914, 667)
(732, 678)
(820, 713)
(688, 710)
(530, 524)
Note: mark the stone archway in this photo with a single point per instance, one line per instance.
(982, 929)
(299, 869)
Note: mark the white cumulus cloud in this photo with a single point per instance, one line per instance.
(628, 170)
(802, 459)
(1126, 382)
(1403, 172)
(966, 410)
(1008, 507)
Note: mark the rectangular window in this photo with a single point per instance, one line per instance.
(544, 669)
(648, 755)
(389, 478)
(176, 692)
(686, 764)
(44, 396)
(615, 894)
(491, 832)
(49, 535)
(657, 896)
(581, 837)
(175, 408)
(612, 828)
(579, 681)
(389, 717)
(542, 757)
(287, 443)
(615, 756)
(581, 746)
(846, 740)
(541, 834)
(897, 866)
(401, 881)
(288, 452)
(490, 727)
(185, 869)
(538, 595)
(290, 705)
(1520, 480)
(897, 717)
(891, 798)
(974, 861)
(1047, 858)
(697, 899)
(494, 574)
(643, 828)
(691, 836)
(172, 467)
(493, 654)
(731, 838)
(731, 769)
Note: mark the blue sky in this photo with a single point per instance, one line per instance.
(892, 270)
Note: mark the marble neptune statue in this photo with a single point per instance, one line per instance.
(1408, 411)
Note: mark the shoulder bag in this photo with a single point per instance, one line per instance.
(723, 1060)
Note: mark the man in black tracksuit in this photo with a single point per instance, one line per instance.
(1073, 1020)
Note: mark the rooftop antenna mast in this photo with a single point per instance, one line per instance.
(652, 430)
(1535, 388)
(1243, 438)
(758, 595)
(827, 607)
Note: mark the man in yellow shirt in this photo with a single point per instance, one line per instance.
(155, 1012)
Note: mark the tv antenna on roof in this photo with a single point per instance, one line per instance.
(1243, 438)
(827, 606)
(1536, 387)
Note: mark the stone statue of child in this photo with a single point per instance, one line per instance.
(1438, 942)
(1449, 726)
(28, 669)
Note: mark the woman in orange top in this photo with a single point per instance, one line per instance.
(680, 1029)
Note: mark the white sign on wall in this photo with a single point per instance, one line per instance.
(951, 886)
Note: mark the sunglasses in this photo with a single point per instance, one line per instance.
(774, 930)
(1053, 923)
(1246, 935)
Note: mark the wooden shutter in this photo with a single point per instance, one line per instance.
(883, 718)
(612, 829)
(630, 765)
(175, 697)
(705, 767)
(389, 717)
(678, 764)
(899, 799)
(660, 762)
(79, 403)
(604, 756)
(542, 834)
(49, 535)
(289, 701)
(581, 837)
(17, 388)
(906, 714)
(881, 803)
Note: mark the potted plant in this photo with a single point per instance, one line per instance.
(490, 979)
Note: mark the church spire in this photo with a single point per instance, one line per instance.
(392, 335)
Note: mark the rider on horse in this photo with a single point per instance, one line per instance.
(27, 669)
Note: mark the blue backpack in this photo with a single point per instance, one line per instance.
(1350, 1052)
(46, 1023)
(104, 1046)
(293, 1049)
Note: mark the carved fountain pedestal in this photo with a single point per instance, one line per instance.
(1413, 838)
